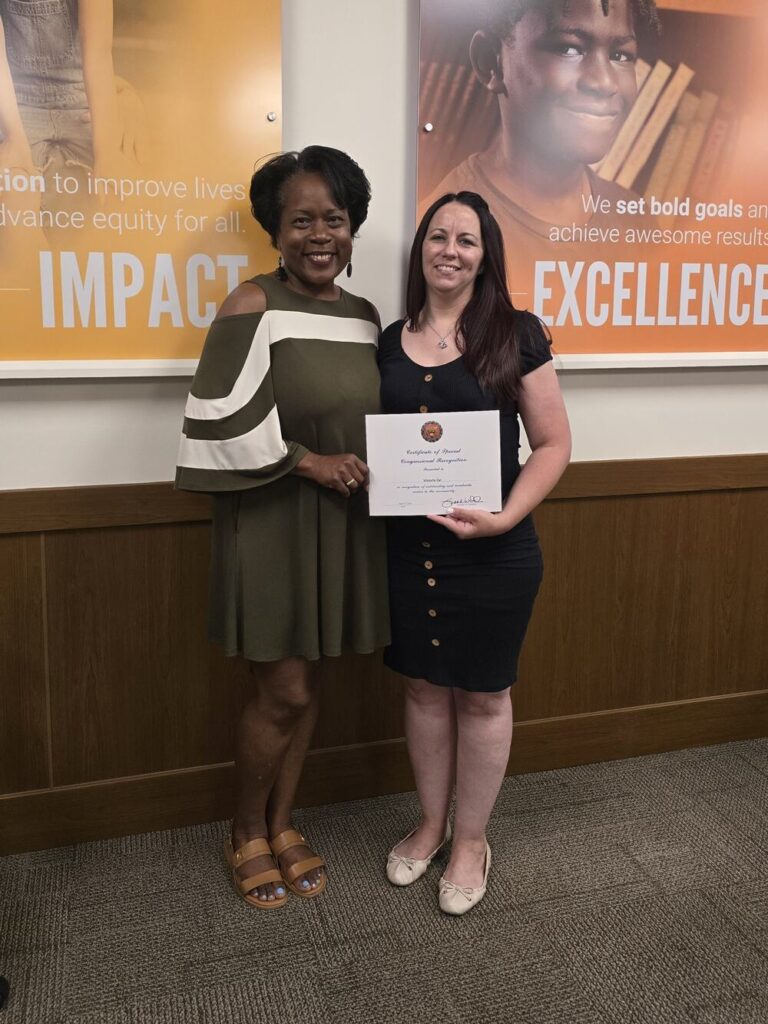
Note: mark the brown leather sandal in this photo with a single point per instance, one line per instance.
(235, 858)
(284, 841)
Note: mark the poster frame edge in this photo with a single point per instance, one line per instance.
(108, 369)
(570, 361)
(115, 369)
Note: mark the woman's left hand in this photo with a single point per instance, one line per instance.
(470, 523)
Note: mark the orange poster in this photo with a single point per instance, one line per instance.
(129, 130)
(623, 147)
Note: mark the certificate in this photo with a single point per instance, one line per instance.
(425, 463)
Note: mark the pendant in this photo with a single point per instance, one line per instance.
(442, 343)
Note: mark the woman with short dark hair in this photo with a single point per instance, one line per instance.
(462, 585)
(274, 428)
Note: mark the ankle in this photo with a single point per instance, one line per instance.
(470, 844)
(246, 829)
(278, 826)
(434, 824)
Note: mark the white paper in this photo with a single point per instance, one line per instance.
(425, 463)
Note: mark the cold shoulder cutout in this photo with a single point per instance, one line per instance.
(248, 297)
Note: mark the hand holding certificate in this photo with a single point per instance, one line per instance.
(426, 463)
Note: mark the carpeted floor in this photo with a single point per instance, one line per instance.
(634, 892)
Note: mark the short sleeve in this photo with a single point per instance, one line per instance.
(231, 438)
(389, 340)
(535, 343)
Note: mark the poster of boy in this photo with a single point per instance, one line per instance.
(608, 139)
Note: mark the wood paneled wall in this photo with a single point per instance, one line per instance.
(116, 715)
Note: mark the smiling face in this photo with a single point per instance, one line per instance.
(569, 79)
(452, 253)
(314, 239)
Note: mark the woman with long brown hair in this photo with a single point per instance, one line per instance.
(462, 585)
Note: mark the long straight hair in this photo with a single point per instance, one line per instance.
(490, 330)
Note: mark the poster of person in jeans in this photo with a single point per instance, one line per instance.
(60, 109)
(123, 207)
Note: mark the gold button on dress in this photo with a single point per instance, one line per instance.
(478, 594)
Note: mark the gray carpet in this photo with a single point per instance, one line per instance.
(634, 892)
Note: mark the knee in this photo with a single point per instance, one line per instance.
(285, 708)
(426, 696)
(289, 705)
(285, 696)
(482, 705)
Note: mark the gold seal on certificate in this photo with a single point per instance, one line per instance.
(425, 463)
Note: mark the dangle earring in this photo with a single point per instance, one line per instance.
(349, 269)
(280, 273)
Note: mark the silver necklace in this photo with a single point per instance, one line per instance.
(441, 343)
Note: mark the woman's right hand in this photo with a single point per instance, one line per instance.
(345, 473)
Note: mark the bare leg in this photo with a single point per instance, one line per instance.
(430, 729)
(484, 725)
(283, 794)
(270, 719)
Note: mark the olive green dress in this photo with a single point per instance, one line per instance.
(296, 569)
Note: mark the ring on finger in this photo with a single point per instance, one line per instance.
(351, 483)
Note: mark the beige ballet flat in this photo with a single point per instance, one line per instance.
(405, 870)
(457, 899)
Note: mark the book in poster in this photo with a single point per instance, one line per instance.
(129, 130)
(623, 148)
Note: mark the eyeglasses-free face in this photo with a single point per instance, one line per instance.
(569, 79)
(452, 253)
(315, 238)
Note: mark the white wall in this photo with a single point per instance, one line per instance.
(55, 434)
(350, 80)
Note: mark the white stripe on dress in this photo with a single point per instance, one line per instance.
(260, 447)
(275, 325)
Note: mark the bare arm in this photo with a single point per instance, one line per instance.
(546, 423)
(95, 18)
(246, 298)
(14, 148)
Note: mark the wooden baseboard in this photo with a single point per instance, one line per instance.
(116, 807)
(633, 732)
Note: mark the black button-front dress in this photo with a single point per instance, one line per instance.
(459, 609)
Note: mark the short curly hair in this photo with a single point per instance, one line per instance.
(501, 16)
(345, 179)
